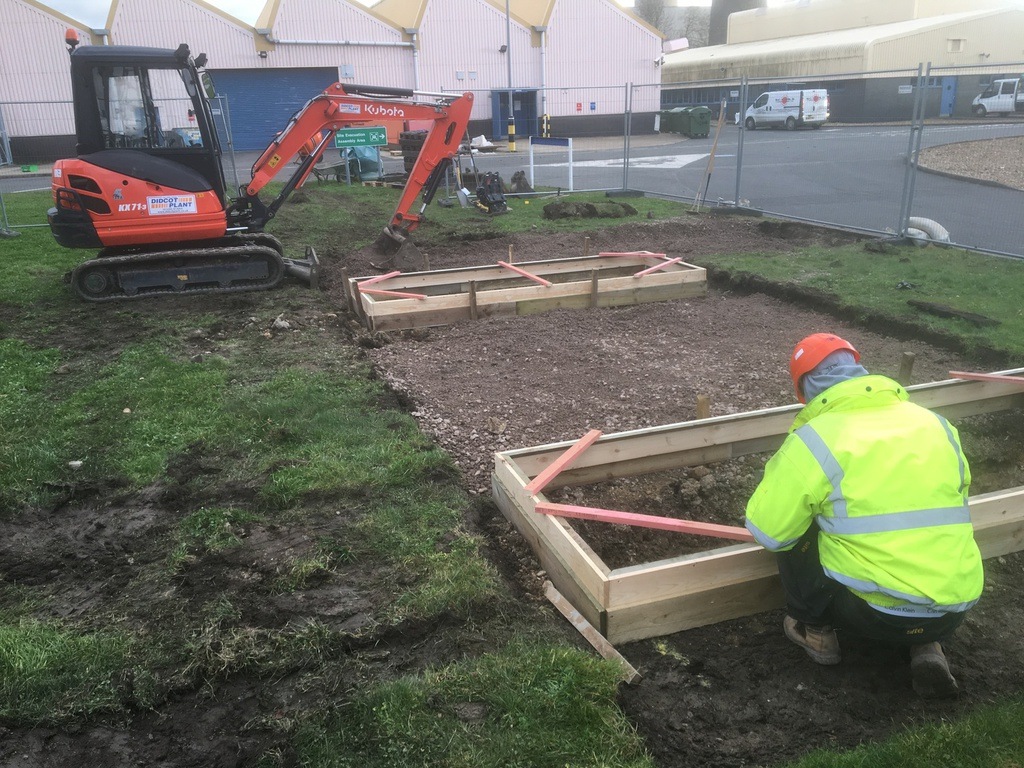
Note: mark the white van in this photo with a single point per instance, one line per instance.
(1001, 97)
(788, 109)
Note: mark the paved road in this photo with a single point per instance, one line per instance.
(852, 176)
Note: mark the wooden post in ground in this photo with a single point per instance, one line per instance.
(344, 283)
(703, 407)
(586, 247)
(472, 300)
(906, 367)
(593, 288)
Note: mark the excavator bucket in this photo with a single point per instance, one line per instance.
(399, 251)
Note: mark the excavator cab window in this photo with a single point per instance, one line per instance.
(128, 117)
(140, 108)
(208, 86)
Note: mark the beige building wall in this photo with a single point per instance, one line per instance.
(34, 68)
(987, 38)
(807, 17)
(992, 38)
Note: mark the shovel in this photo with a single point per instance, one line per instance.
(461, 192)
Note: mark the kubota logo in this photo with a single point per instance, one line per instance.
(378, 111)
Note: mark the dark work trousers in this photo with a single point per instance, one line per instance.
(815, 599)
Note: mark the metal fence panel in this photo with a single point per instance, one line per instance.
(970, 172)
(904, 146)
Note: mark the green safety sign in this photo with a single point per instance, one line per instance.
(376, 136)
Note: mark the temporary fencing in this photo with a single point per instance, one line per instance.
(902, 147)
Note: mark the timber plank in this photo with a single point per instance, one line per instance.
(585, 628)
(734, 601)
(444, 295)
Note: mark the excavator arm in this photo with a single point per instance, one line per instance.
(312, 128)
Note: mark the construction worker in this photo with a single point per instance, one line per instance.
(865, 505)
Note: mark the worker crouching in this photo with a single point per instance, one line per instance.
(865, 505)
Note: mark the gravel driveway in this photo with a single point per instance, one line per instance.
(1000, 161)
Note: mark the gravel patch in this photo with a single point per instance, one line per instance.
(992, 160)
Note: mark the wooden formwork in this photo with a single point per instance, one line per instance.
(658, 598)
(398, 301)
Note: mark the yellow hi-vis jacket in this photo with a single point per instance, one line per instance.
(886, 481)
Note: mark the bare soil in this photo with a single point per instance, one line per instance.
(733, 694)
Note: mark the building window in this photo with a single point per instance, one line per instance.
(955, 45)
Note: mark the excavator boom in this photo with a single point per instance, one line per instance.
(342, 106)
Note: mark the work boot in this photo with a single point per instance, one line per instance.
(820, 642)
(930, 672)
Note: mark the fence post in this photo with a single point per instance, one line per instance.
(913, 148)
(627, 127)
(739, 139)
(5, 143)
(5, 227)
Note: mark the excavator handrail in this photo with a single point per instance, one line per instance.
(385, 91)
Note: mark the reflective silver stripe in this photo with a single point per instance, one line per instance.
(868, 587)
(956, 449)
(923, 613)
(829, 465)
(766, 541)
(895, 521)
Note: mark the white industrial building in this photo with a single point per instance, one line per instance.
(866, 52)
(35, 79)
(569, 59)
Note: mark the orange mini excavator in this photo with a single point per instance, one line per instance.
(148, 185)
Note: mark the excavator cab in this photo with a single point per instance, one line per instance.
(143, 124)
(150, 100)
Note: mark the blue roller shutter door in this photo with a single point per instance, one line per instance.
(261, 102)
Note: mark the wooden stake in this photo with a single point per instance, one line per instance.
(586, 247)
(562, 462)
(346, 284)
(472, 300)
(585, 628)
(616, 517)
(593, 288)
(657, 267)
(524, 273)
(906, 367)
(510, 253)
(396, 294)
(1019, 380)
(703, 407)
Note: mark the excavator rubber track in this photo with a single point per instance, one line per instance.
(247, 262)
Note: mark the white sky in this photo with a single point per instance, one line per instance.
(93, 13)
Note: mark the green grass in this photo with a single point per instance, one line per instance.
(32, 262)
(207, 530)
(527, 706)
(51, 673)
(323, 211)
(988, 738)
(969, 282)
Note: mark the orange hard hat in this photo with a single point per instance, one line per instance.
(812, 350)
